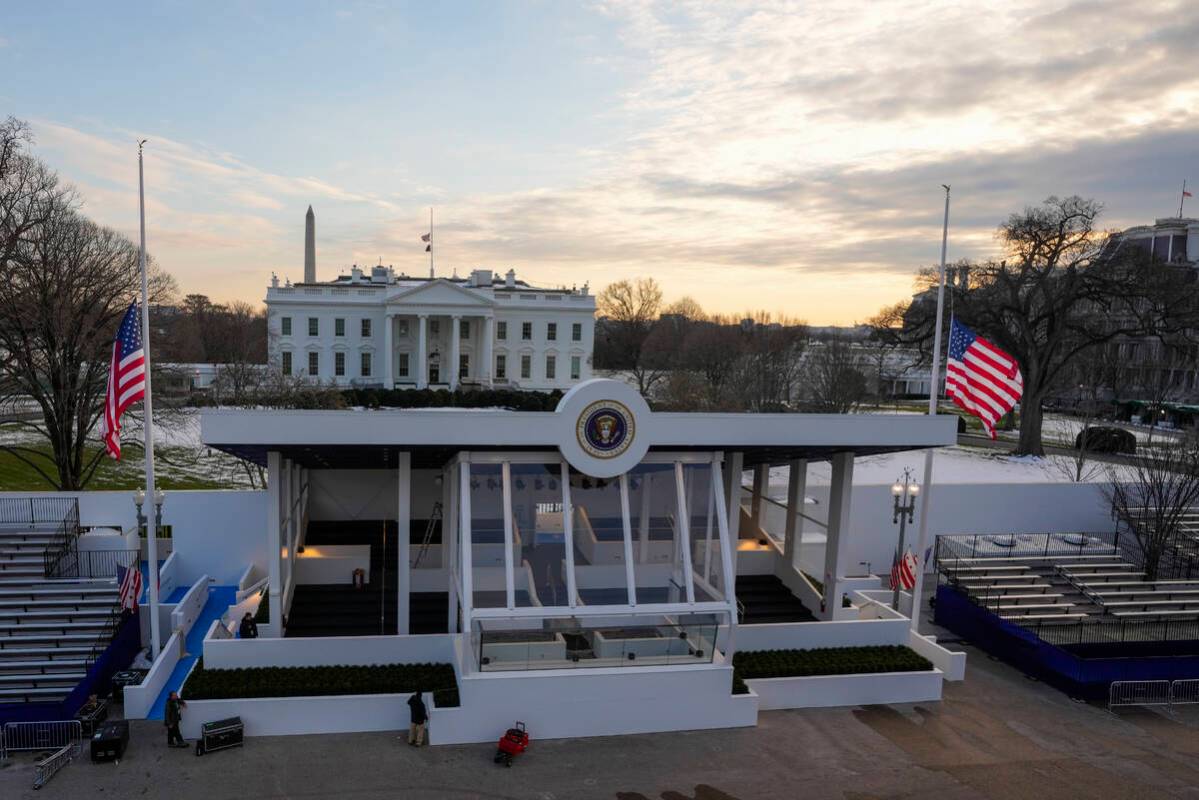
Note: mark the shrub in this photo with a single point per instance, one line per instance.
(1106, 440)
(824, 661)
(224, 684)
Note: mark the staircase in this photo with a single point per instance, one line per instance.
(342, 610)
(49, 628)
(767, 599)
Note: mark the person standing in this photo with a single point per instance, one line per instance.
(172, 718)
(420, 718)
(248, 628)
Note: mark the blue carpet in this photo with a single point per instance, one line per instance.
(219, 600)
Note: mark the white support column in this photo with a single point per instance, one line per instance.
(732, 495)
(404, 541)
(509, 558)
(797, 481)
(630, 578)
(761, 487)
(568, 536)
(422, 356)
(465, 542)
(388, 365)
(726, 546)
(643, 519)
(274, 483)
(449, 544)
(287, 487)
(485, 346)
(837, 545)
(683, 530)
(455, 349)
(707, 570)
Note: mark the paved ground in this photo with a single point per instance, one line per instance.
(997, 735)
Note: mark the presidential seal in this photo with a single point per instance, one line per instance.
(605, 429)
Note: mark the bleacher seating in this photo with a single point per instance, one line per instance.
(49, 628)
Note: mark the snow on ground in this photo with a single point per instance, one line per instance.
(1062, 429)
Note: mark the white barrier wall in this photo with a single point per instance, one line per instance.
(823, 691)
(214, 532)
(437, 648)
(187, 611)
(140, 699)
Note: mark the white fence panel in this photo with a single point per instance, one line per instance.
(1138, 693)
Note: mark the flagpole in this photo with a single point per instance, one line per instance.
(152, 516)
(1182, 198)
(933, 393)
(430, 242)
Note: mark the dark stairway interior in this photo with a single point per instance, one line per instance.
(767, 599)
(341, 610)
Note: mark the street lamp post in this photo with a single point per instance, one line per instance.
(903, 495)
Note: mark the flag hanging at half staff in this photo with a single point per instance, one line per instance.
(126, 379)
(980, 378)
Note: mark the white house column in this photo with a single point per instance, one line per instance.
(388, 351)
(797, 480)
(422, 358)
(455, 349)
(404, 540)
(274, 483)
(840, 493)
(484, 369)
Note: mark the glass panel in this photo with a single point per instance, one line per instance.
(599, 541)
(581, 643)
(657, 559)
(706, 561)
(540, 535)
(488, 585)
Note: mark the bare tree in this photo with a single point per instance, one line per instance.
(835, 380)
(1151, 496)
(631, 309)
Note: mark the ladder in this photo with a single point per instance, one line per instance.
(434, 518)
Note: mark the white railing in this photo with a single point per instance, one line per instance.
(26, 736)
(45, 769)
(1138, 693)
(1184, 692)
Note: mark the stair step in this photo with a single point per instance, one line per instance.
(32, 680)
(44, 666)
(43, 653)
(42, 695)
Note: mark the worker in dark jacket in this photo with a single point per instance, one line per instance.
(248, 628)
(420, 717)
(172, 718)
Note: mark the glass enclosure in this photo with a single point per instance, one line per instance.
(581, 643)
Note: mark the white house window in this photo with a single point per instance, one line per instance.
(551, 331)
(463, 365)
(526, 331)
(314, 363)
(501, 367)
(403, 371)
(434, 327)
(339, 363)
(286, 362)
(575, 366)
(526, 366)
(366, 329)
(286, 326)
(403, 327)
(501, 330)
(551, 367)
(314, 326)
(464, 328)
(365, 365)
(339, 327)
(576, 332)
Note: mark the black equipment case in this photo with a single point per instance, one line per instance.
(110, 740)
(219, 735)
(127, 677)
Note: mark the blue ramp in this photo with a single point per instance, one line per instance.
(219, 600)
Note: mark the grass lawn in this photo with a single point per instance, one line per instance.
(175, 468)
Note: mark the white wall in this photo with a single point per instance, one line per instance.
(140, 699)
(187, 611)
(823, 691)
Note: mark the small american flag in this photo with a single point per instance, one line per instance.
(126, 379)
(980, 378)
(131, 587)
(903, 571)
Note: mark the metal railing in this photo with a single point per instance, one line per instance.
(61, 557)
(1138, 693)
(100, 563)
(45, 769)
(36, 511)
(1184, 692)
(35, 736)
(1014, 545)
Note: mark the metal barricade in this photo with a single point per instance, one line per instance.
(45, 769)
(1184, 692)
(33, 736)
(1138, 693)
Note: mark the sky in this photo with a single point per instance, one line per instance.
(778, 156)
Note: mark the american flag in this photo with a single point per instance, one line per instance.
(126, 379)
(131, 587)
(903, 571)
(980, 378)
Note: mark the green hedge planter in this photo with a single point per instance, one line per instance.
(227, 684)
(824, 661)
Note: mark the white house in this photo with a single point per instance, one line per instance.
(379, 328)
